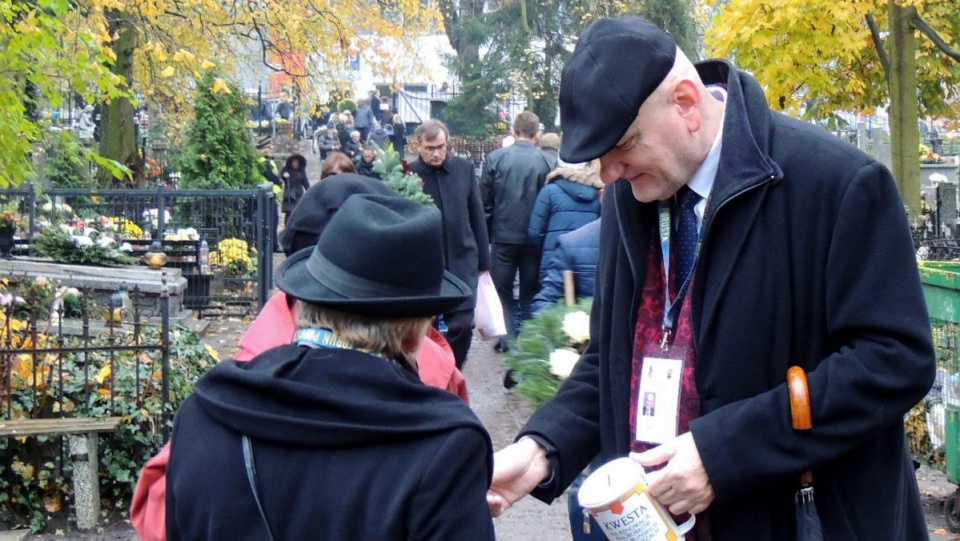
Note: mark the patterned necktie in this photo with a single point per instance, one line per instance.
(686, 239)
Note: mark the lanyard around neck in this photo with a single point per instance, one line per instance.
(672, 309)
(326, 338)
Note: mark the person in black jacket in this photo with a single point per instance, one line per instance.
(399, 136)
(512, 177)
(334, 436)
(802, 256)
(452, 183)
(295, 182)
(365, 162)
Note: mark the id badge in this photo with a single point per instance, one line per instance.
(658, 398)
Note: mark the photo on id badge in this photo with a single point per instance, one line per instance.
(658, 398)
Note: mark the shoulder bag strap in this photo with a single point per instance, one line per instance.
(252, 477)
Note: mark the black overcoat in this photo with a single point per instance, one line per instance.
(347, 445)
(806, 259)
(453, 187)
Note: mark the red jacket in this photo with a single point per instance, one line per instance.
(273, 327)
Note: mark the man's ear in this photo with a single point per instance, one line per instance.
(688, 100)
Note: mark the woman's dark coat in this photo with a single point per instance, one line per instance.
(347, 446)
(807, 260)
(295, 181)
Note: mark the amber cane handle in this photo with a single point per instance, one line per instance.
(800, 408)
(799, 398)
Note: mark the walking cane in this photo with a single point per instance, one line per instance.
(808, 527)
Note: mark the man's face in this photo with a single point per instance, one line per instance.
(355, 137)
(433, 151)
(657, 154)
(368, 155)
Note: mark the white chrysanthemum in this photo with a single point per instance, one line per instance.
(188, 233)
(105, 242)
(82, 241)
(562, 361)
(126, 247)
(576, 325)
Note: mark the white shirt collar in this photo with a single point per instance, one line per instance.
(703, 179)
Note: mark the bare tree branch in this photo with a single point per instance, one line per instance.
(922, 26)
(878, 44)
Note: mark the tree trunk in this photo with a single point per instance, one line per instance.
(118, 137)
(460, 22)
(904, 107)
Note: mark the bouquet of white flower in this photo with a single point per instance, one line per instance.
(547, 349)
(83, 246)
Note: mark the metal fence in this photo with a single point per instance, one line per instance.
(237, 225)
(67, 355)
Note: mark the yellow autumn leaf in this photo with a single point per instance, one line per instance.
(183, 55)
(103, 374)
(213, 353)
(207, 65)
(168, 72)
(220, 86)
(23, 470)
(51, 502)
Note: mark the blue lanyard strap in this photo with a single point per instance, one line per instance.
(671, 309)
(326, 338)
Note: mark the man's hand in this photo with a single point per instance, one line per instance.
(517, 470)
(682, 486)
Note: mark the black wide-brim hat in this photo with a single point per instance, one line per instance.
(319, 204)
(615, 66)
(380, 255)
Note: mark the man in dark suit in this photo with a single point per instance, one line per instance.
(452, 183)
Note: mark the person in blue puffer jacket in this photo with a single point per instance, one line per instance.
(570, 199)
(577, 251)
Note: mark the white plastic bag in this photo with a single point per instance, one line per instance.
(488, 315)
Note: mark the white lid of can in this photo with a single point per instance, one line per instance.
(609, 483)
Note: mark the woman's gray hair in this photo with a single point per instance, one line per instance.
(379, 334)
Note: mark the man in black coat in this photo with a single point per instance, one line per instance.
(802, 256)
(512, 178)
(452, 183)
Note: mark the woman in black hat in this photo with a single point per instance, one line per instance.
(334, 436)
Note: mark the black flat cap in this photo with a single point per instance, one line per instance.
(615, 66)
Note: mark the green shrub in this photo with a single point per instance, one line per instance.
(218, 151)
(67, 166)
(347, 105)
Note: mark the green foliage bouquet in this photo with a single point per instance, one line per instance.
(390, 167)
(547, 349)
